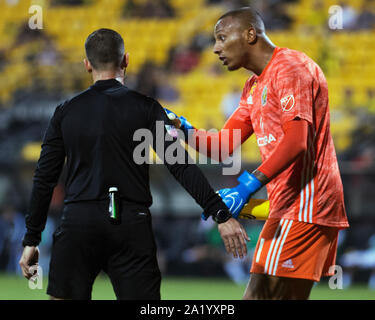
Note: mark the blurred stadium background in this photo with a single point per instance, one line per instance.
(170, 44)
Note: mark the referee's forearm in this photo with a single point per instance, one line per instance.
(184, 170)
(196, 184)
(45, 179)
(37, 214)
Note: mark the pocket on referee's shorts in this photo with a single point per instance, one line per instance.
(136, 215)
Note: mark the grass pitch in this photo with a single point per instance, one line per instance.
(16, 288)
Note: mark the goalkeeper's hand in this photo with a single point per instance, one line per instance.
(235, 198)
(179, 122)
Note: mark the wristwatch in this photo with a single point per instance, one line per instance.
(221, 216)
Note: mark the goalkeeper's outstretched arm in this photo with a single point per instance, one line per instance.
(215, 145)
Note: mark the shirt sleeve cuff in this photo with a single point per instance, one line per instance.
(31, 239)
(214, 205)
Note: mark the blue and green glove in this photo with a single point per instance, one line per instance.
(235, 198)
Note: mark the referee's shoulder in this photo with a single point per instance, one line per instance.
(141, 98)
(134, 97)
(86, 94)
(145, 104)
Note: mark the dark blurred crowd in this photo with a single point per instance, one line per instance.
(159, 9)
(363, 19)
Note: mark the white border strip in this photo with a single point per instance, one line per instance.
(277, 246)
(272, 244)
(281, 247)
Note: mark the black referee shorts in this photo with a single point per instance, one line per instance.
(86, 242)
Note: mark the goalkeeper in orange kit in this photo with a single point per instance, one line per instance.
(285, 103)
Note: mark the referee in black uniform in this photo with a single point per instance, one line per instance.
(94, 132)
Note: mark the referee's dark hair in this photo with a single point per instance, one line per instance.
(105, 49)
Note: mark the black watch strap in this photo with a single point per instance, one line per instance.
(221, 216)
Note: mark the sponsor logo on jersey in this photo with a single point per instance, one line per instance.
(287, 103)
(264, 96)
(267, 139)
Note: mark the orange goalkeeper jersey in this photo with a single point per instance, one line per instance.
(293, 86)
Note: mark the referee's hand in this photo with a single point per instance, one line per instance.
(234, 237)
(29, 258)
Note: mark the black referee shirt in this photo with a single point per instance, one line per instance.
(94, 132)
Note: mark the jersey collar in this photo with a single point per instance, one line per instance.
(104, 84)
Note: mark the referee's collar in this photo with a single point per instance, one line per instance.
(104, 84)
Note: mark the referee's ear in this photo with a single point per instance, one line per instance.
(125, 61)
(88, 65)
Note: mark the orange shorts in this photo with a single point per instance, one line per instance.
(295, 249)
